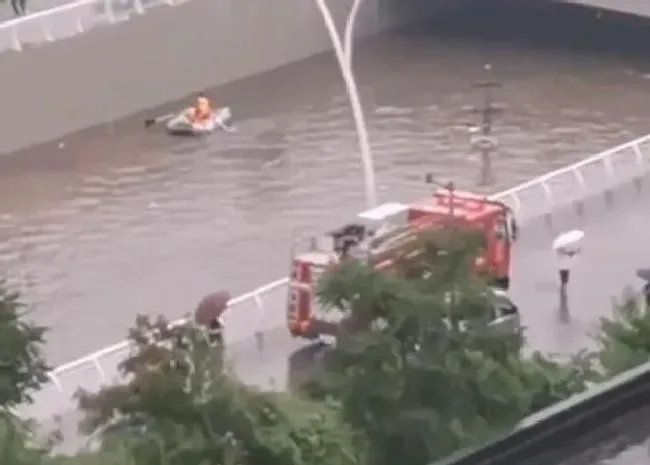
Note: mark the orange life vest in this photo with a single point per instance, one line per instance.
(202, 110)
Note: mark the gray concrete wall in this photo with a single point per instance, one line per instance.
(542, 437)
(633, 7)
(169, 52)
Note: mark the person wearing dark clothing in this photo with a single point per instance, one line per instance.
(565, 262)
(19, 7)
(215, 331)
(208, 314)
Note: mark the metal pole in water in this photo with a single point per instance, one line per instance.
(482, 138)
(344, 58)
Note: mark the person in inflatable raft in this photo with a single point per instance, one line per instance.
(201, 112)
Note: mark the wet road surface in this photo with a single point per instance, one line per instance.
(122, 221)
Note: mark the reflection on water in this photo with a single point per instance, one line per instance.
(124, 220)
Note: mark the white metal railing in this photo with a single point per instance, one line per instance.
(552, 190)
(69, 20)
(546, 189)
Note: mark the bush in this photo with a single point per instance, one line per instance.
(624, 338)
(179, 405)
(23, 369)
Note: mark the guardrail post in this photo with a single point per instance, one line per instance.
(638, 153)
(108, 10)
(46, 30)
(516, 202)
(579, 177)
(547, 192)
(259, 333)
(15, 40)
(56, 381)
(100, 370)
(607, 163)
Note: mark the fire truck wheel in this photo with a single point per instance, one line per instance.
(312, 336)
(502, 283)
(305, 364)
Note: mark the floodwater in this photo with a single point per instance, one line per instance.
(119, 220)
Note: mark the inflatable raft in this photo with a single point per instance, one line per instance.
(181, 126)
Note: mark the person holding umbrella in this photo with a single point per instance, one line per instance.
(208, 314)
(19, 7)
(566, 247)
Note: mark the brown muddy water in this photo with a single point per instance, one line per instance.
(119, 220)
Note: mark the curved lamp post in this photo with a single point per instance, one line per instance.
(344, 57)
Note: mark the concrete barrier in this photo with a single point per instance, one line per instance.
(167, 53)
(632, 7)
(560, 425)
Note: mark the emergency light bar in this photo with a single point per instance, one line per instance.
(465, 200)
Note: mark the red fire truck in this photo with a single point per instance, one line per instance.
(377, 234)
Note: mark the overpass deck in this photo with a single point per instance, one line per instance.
(624, 440)
(50, 20)
(605, 195)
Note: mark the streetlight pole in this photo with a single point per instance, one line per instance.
(344, 57)
(349, 31)
(482, 137)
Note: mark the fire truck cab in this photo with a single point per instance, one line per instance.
(375, 236)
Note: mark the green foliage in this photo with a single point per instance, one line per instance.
(115, 455)
(625, 338)
(20, 446)
(428, 372)
(23, 369)
(179, 406)
(16, 443)
(159, 371)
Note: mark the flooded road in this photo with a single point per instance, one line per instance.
(120, 221)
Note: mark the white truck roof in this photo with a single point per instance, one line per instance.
(383, 211)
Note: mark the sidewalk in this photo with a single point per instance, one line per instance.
(63, 24)
(6, 12)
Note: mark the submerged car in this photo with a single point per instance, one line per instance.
(504, 314)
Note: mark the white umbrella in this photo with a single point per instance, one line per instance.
(569, 242)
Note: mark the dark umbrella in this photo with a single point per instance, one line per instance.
(643, 273)
(211, 307)
(207, 314)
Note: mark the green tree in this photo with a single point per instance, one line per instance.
(424, 370)
(17, 446)
(624, 338)
(23, 369)
(179, 405)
